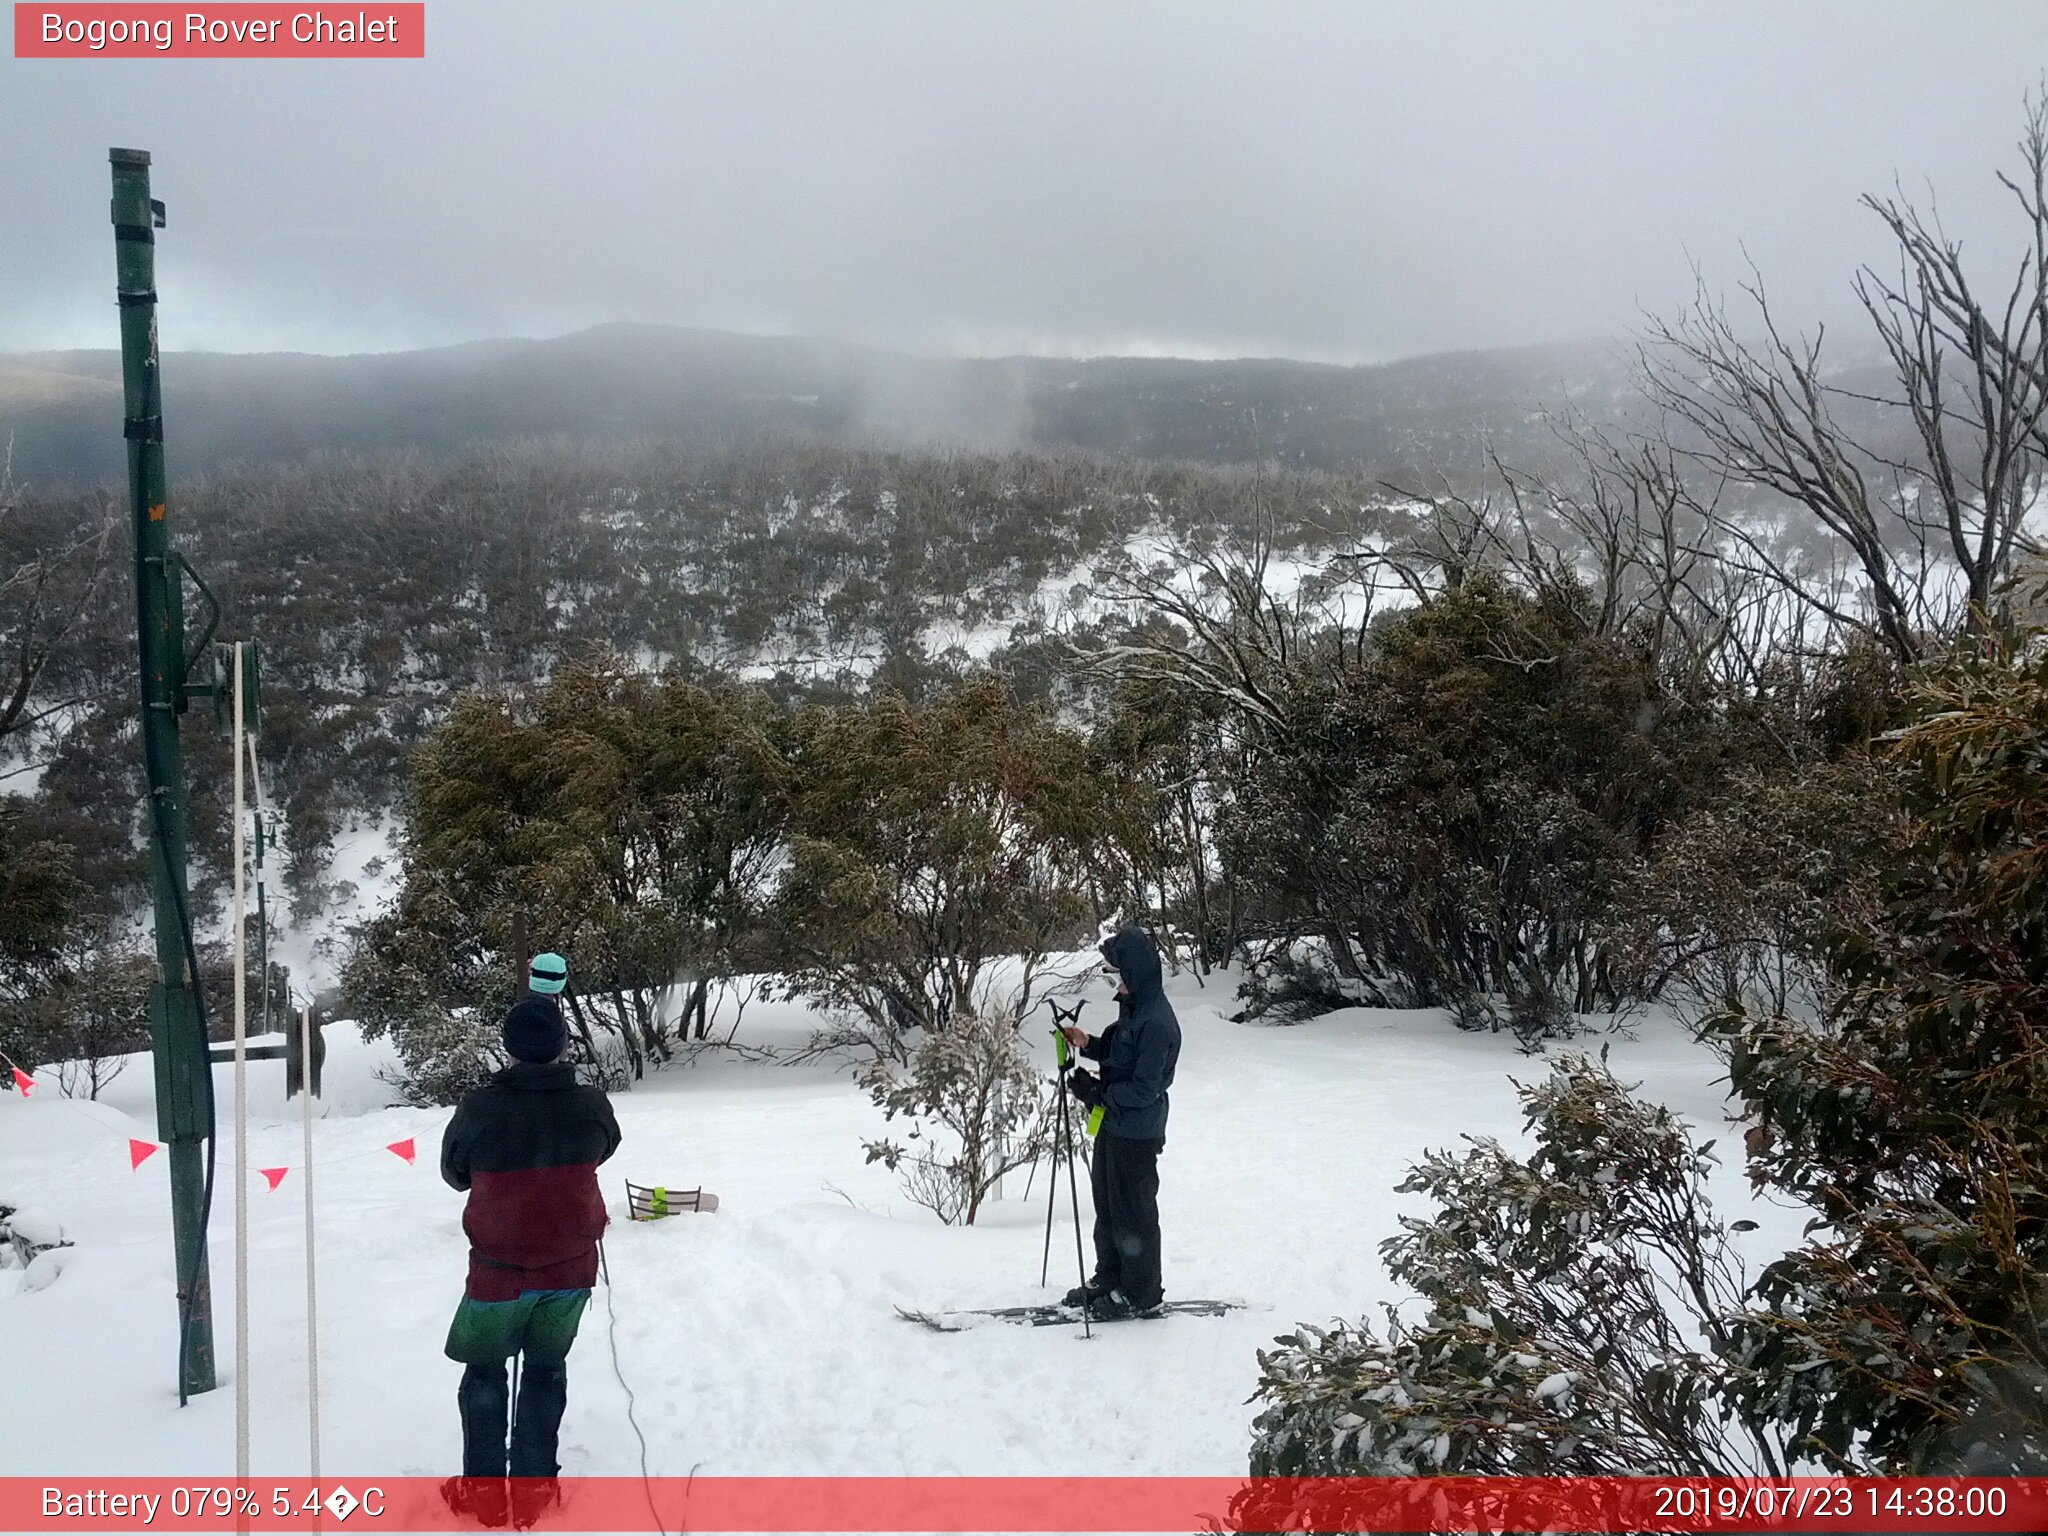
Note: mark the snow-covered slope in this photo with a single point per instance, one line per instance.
(761, 1339)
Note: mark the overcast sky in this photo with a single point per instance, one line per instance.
(1349, 182)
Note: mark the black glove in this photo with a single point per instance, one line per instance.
(1086, 1087)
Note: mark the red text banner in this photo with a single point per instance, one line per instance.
(1048, 1504)
(239, 31)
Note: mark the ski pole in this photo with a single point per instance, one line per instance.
(1066, 1063)
(1052, 1184)
(1065, 1060)
(1080, 1264)
(1052, 1193)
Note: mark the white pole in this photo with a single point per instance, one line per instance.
(305, 1027)
(312, 1308)
(241, 1118)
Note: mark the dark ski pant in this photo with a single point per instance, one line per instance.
(1124, 1175)
(540, 1326)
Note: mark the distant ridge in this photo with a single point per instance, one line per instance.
(246, 410)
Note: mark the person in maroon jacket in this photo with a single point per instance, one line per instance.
(526, 1147)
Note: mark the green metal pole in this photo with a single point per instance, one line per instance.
(184, 1075)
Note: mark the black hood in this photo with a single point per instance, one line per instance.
(1136, 959)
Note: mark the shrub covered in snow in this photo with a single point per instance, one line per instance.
(1537, 1013)
(45, 1268)
(1578, 1316)
(444, 1055)
(1299, 983)
(975, 1107)
(26, 1235)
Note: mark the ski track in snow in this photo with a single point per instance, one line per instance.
(763, 1339)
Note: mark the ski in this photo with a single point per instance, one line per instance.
(1053, 1314)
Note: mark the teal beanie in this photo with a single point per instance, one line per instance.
(548, 974)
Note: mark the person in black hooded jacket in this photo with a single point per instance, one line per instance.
(1138, 1054)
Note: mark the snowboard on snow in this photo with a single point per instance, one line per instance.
(1053, 1314)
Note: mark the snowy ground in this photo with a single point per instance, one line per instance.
(761, 1339)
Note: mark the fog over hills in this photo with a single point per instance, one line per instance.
(229, 410)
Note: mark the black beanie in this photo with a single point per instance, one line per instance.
(534, 1030)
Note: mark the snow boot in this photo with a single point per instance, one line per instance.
(533, 1497)
(1109, 1307)
(1082, 1295)
(482, 1498)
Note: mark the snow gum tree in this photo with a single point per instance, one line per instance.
(1453, 810)
(1912, 1331)
(634, 821)
(38, 891)
(1582, 1311)
(938, 853)
(902, 865)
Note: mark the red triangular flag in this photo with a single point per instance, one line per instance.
(403, 1148)
(23, 1081)
(275, 1175)
(139, 1152)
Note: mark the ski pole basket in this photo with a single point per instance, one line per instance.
(652, 1202)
